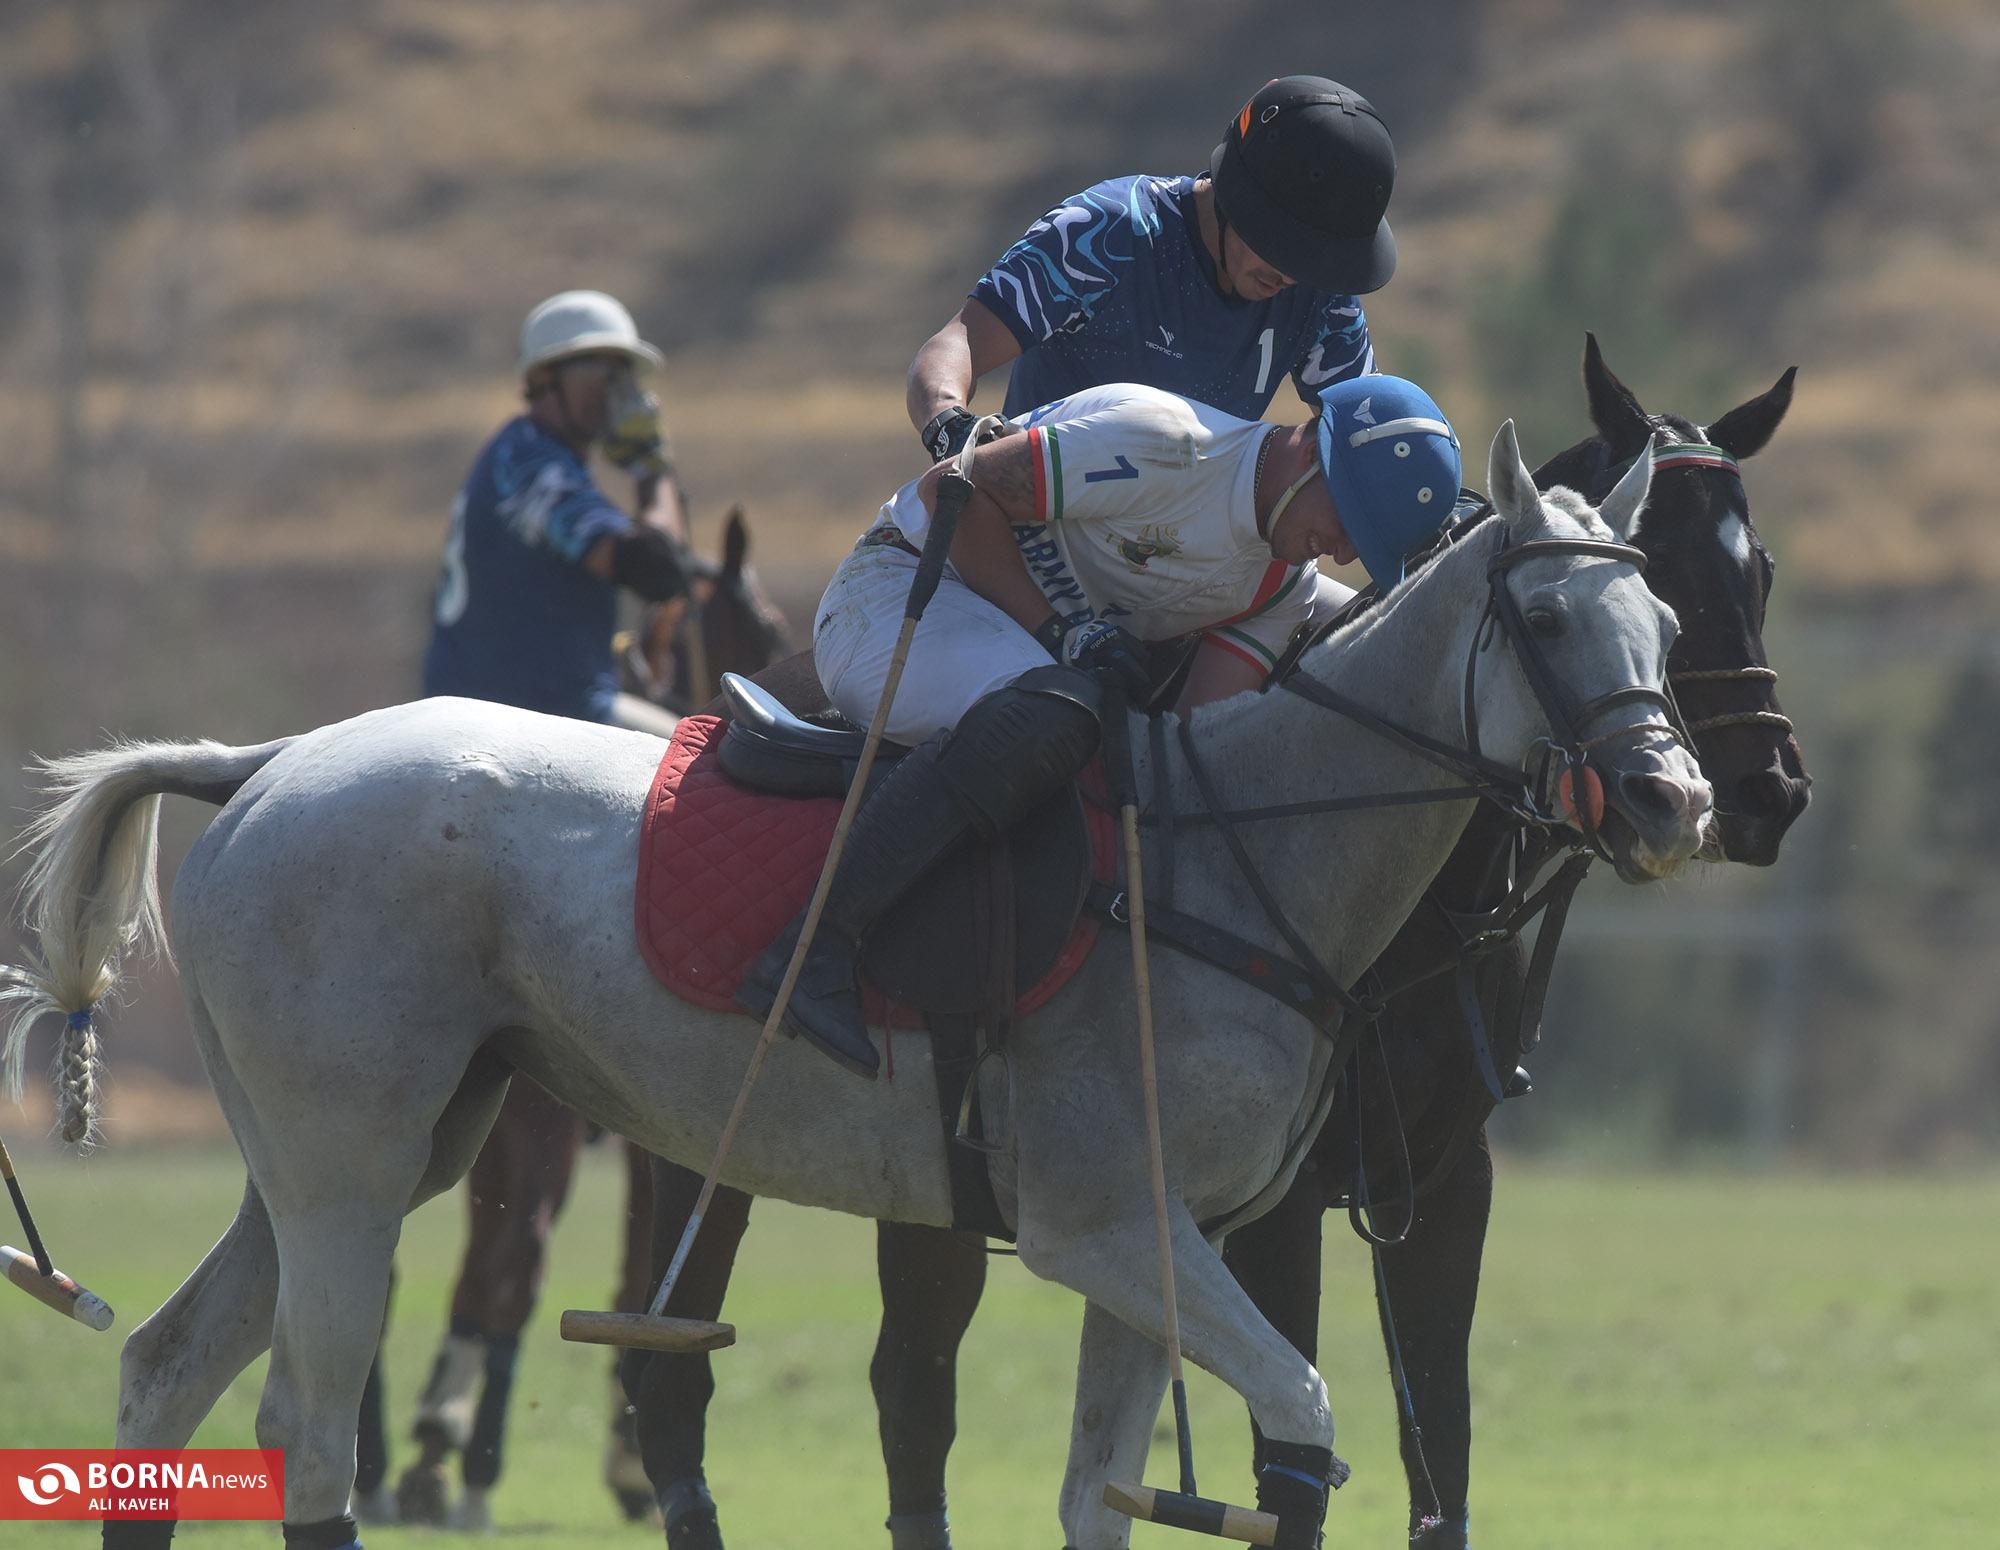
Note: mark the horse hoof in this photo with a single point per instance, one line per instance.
(377, 1506)
(423, 1495)
(638, 1506)
(697, 1531)
(471, 1514)
(690, 1515)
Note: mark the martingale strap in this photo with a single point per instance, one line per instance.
(1287, 983)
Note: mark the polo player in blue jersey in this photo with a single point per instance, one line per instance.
(526, 606)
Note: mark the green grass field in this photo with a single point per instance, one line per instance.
(1659, 1361)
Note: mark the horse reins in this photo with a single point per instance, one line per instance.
(1516, 791)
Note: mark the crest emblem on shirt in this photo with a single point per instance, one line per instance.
(1164, 334)
(1156, 541)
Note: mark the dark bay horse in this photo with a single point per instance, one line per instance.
(521, 1178)
(1408, 1137)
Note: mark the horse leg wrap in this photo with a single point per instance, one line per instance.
(1292, 1484)
(489, 1423)
(327, 1534)
(690, 1515)
(919, 1531)
(138, 1533)
(1428, 1533)
(445, 1408)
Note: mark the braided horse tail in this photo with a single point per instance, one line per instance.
(92, 895)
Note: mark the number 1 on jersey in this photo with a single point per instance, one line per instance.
(1264, 341)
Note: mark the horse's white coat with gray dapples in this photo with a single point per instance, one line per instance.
(393, 911)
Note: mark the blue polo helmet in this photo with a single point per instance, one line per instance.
(1391, 464)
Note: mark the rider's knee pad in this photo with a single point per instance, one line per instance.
(1018, 744)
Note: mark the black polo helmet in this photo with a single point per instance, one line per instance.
(1304, 174)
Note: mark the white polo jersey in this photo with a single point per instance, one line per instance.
(1146, 514)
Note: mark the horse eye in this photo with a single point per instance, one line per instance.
(1545, 622)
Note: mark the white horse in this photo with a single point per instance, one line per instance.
(392, 913)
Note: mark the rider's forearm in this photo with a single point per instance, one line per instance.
(660, 506)
(987, 560)
(954, 358)
(941, 374)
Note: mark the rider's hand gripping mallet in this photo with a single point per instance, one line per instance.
(652, 1330)
(1183, 1508)
(37, 1276)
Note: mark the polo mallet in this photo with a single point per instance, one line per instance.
(35, 1274)
(1182, 1508)
(700, 689)
(653, 1330)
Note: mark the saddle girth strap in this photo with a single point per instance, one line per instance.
(954, 1062)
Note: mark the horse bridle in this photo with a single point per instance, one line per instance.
(1567, 720)
(1695, 454)
(1520, 792)
(1517, 791)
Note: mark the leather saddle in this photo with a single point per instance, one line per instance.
(983, 927)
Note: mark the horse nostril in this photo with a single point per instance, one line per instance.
(1653, 793)
(1770, 794)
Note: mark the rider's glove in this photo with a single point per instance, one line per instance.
(646, 560)
(634, 441)
(944, 435)
(1109, 653)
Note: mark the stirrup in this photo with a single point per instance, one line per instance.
(961, 1133)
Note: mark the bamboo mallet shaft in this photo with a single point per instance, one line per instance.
(954, 489)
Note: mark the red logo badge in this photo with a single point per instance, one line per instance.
(193, 1484)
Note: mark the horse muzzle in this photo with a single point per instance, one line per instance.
(1657, 820)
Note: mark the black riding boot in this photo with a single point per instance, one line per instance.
(1008, 752)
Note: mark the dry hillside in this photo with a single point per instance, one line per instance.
(265, 262)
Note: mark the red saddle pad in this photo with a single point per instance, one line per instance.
(722, 869)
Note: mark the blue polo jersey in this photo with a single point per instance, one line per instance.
(1114, 285)
(516, 618)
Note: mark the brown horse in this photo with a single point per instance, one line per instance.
(520, 1181)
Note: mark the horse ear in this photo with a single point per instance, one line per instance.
(1510, 484)
(1618, 416)
(1743, 431)
(735, 542)
(1622, 507)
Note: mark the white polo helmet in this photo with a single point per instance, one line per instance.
(575, 321)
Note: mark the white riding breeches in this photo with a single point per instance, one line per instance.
(964, 648)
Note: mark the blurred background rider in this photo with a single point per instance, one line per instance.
(526, 606)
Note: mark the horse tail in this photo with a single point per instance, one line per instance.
(92, 895)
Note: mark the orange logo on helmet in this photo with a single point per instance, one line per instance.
(1243, 121)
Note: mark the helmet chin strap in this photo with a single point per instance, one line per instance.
(1278, 506)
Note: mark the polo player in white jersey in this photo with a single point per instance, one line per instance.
(1108, 520)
